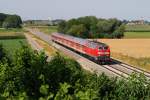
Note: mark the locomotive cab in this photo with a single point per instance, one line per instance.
(103, 53)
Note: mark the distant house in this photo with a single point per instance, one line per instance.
(136, 22)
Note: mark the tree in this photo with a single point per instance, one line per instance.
(2, 52)
(88, 21)
(12, 21)
(30, 77)
(91, 27)
(2, 18)
(61, 26)
(104, 26)
(77, 30)
(119, 32)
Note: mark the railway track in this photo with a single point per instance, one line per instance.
(118, 72)
(128, 69)
(84, 62)
(117, 67)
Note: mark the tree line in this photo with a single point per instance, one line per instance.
(10, 21)
(92, 27)
(28, 76)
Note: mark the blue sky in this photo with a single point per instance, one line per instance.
(66, 9)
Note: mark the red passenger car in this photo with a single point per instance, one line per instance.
(98, 51)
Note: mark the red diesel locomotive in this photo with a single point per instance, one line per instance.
(98, 51)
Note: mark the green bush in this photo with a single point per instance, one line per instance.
(10, 21)
(92, 27)
(30, 77)
(12, 37)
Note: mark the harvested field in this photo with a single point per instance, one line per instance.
(131, 47)
(132, 51)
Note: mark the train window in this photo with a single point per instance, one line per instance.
(92, 45)
(100, 48)
(106, 48)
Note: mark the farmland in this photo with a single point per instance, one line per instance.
(132, 51)
(11, 38)
(11, 34)
(137, 31)
(136, 35)
(46, 29)
(131, 47)
(138, 28)
(11, 45)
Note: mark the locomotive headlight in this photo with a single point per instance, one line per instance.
(100, 53)
(106, 53)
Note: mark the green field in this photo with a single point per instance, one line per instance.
(138, 28)
(137, 31)
(11, 34)
(48, 29)
(11, 38)
(2, 30)
(137, 35)
(11, 45)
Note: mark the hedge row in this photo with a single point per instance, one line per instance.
(137, 30)
(12, 37)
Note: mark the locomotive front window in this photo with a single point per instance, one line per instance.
(105, 48)
(100, 48)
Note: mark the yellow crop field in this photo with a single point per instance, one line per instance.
(131, 47)
(132, 51)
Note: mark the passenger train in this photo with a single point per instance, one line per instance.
(100, 52)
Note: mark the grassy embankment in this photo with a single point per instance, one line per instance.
(47, 48)
(11, 38)
(48, 30)
(143, 62)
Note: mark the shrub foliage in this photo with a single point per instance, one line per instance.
(10, 21)
(30, 77)
(92, 27)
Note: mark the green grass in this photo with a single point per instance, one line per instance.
(137, 31)
(11, 33)
(48, 29)
(2, 30)
(137, 35)
(138, 28)
(11, 38)
(11, 45)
